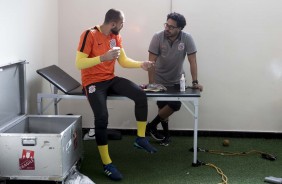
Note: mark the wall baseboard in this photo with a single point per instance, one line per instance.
(205, 133)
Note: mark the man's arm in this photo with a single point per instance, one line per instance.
(127, 62)
(151, 71)
(83, 61)
(193, 65)
(193, 69)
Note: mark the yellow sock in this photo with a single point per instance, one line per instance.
(141, 128)
(104, 153)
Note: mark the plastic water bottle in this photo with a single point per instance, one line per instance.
(182, 83)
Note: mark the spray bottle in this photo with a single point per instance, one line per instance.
(182, 83)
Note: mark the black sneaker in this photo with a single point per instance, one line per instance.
(111, 171)
(165, 142)
(153, 132)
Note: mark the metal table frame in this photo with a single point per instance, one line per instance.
(191, 96)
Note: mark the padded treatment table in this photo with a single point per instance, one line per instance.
(72, 89)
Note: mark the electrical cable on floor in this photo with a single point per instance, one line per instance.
(224, 178)
(264, 155)
(220, 172)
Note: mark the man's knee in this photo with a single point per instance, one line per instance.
(140, 97)
(175, 105)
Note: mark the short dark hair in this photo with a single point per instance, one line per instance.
(113, 15)
(180, 19)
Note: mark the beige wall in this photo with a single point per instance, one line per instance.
(75, 17)
(239, 54)
(239, 58)
(29, 31)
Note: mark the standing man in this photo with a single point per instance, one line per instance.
(168, 49)
(97, 52)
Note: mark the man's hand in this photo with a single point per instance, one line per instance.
(146, 65)
(197, 86)
(110, 55)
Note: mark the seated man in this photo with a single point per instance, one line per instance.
(98, 50)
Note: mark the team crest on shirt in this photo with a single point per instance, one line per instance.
(181, 46)
(92, 89)
(113, 43)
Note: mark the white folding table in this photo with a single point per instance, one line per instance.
(190, 95)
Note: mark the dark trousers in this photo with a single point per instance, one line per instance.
(97, 96)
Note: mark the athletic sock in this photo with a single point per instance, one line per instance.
(165, 127)
(104, 153)
(141, 128)
(155, 121)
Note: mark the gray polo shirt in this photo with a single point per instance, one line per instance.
(169, 64)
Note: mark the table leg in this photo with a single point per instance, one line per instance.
(195, 146)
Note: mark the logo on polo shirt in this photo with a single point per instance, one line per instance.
(181, 46)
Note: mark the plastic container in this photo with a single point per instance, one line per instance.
(182, 83)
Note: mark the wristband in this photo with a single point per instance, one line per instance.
(194, 82)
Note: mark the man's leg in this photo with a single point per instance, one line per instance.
(164, 112)
(166, 109)
(166, 140)
(173, 106)
(97, 97)
(127, 88)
